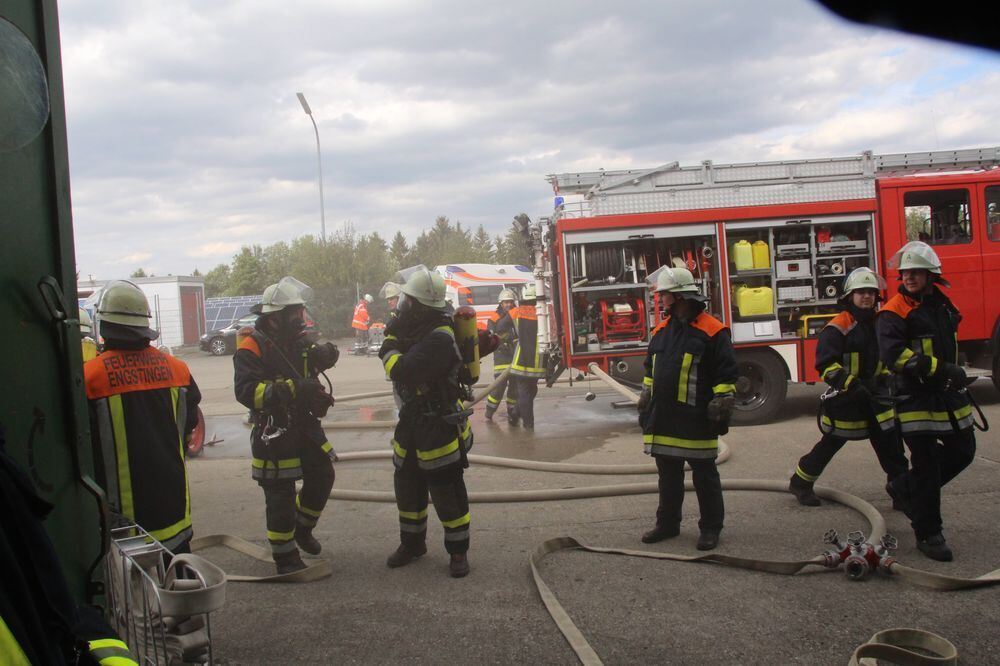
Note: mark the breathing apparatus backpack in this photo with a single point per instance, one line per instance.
(467, 341)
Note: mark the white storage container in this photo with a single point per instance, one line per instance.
(798, 293)
(793, 268)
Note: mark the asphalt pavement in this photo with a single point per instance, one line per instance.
(631, 610)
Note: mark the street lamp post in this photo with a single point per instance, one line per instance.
(319, 162)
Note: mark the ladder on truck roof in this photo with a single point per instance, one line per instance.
(671, 187)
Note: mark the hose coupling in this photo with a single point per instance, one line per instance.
(856, 566)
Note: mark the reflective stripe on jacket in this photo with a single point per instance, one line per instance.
(503, 354)
(847, 354)
(916, 337)
(527, 358)
(259, 366)
(687, 364)
(361, 319)
(143, 407)
(424, 374)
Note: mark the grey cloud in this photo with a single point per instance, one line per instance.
(184, 113)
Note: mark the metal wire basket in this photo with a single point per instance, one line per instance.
(158, 602)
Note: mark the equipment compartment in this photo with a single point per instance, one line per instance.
(612, 304)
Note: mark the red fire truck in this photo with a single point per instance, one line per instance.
(769, 244)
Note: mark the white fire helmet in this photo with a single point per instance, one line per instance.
(863, 278)
(424, 285)
(916, 255)
(286, 292)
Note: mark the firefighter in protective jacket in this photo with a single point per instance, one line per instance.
(361, 321)
(276, 376)
(433, 434)
(143, 408)
(858, 404)
(686, 402)
(502, 357)
(526, 367)
(918, 339)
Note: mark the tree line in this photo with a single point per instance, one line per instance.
(349, 264)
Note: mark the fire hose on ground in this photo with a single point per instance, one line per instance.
(858, 555)
(372, 425)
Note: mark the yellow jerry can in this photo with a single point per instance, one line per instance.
(742, 255)
(761, 255)
(755, 301)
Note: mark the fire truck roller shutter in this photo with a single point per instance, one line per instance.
(761, 386)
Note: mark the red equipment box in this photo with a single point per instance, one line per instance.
(622, 319)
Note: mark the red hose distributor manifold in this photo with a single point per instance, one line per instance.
(859, 557)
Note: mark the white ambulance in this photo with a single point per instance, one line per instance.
(479, 285)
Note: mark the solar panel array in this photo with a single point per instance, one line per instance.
(223, 310)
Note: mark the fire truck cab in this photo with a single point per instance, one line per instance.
(769, 244)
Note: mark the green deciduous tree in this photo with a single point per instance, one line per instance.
(350, 264)
(248, 273)
(217, 281)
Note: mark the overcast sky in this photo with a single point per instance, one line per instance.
(187, 141)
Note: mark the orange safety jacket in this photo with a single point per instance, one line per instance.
(143, 407)
(361, 318)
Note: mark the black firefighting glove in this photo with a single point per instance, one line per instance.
(321, 403)
(720, 408)
(306, 390)
(860, 393)
(645, 398)
(323, 357)
(390, 344)
(284, 391)
(392, 327)
(953, 375)
(919, 365)
(839, 379)
(311, 395)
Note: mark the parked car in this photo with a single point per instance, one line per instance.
(222, 341)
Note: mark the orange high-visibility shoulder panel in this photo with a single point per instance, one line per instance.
(119, 371)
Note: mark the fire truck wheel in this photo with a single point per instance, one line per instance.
(996, 372)
(760, 388)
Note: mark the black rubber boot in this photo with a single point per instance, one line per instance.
(459, 565)
(306, 541)
(935, 548)
(404, 556)
(513, 417)
(708, 541)
(661, 533)
(289, 562)
(899, 502)
(803, 491)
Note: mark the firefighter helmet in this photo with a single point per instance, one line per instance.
(122, 302)
(528, 293)
(424, 285)
(916, 255)
(507, 295)
(863, 278)
(677, 281)
(86, 324)
(389, 290)
(286, 292)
